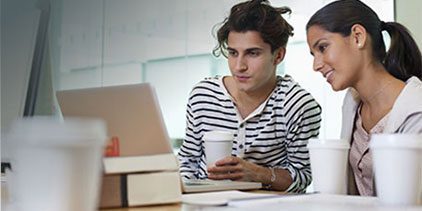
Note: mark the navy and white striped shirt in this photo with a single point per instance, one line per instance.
(274, 135)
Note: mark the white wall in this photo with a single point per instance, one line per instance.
(408, 12)
(19, 23)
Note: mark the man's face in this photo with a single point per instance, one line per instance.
(251, 62)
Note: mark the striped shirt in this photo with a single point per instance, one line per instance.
(274, 135)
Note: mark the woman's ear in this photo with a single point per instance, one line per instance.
(358, 35)
(279, 55)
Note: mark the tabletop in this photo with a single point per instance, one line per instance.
(272, 201)
(309, 202)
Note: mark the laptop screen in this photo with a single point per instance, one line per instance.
(131, 112)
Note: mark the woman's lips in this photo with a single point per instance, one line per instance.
(329, 76)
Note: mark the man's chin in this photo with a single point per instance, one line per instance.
(242, 86)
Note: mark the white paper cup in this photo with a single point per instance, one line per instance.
(56, 165)
(217, 145)
(398, 166)
(329, 165)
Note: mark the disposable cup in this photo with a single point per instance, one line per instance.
(56, 165)
(329, 165)
(398, 166)
(217, 145)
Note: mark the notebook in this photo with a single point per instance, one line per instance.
(133, 114)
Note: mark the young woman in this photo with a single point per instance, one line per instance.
(385, 88)
(271, 116)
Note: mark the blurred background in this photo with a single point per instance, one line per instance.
(50, 45)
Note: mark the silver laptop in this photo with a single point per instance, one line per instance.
(133, 114)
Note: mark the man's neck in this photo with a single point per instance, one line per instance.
(247, 102)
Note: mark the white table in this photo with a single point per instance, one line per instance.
(312, 202)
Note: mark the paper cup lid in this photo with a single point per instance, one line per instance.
(218, 136)
(51, 131)
(328, 144)
(396, 140)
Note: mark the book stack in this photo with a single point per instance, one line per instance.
(130, 181)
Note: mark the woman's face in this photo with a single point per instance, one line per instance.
(335, 57)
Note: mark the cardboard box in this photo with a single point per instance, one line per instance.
(128, 190)
(140, 180)
(144, 179)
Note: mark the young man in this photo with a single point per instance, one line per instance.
(271, 116)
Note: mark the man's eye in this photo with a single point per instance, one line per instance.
(232, 53)
(254, 53)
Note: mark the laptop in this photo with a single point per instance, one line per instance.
(133, 114)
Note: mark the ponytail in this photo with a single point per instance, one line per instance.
(403, 59)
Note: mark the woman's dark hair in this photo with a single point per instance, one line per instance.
(403, 58)
(255, 15)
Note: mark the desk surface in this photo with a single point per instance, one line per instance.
(184, 206)
(171, 207)
(311, 202)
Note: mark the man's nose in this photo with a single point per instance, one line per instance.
(241, 64)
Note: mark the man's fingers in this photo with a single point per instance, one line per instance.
(230, 160)
(227, 175)
(225, 169)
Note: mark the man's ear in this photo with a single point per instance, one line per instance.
(358, 36)
(279, 55)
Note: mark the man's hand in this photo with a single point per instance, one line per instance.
(234, 168)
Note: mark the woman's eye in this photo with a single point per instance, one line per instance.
(322, 48)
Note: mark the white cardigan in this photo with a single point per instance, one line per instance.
(408, 104)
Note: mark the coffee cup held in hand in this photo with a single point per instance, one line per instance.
(217, 145)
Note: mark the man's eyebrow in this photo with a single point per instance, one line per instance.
(254, 49)
(231, 49)
(248, 49)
